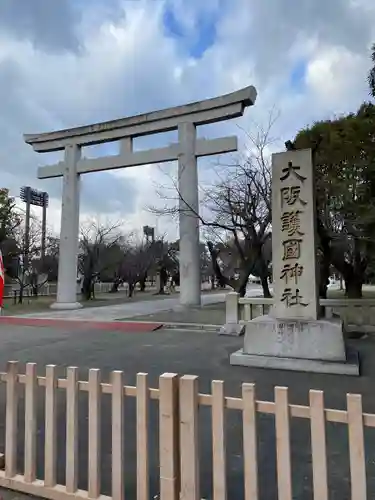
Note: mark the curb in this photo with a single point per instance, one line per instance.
(178, 326)
(130, 326)
(192, 326)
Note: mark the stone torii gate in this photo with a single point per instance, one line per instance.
(186, 151)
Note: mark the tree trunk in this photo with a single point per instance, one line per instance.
(142, 284)
(242, 289)
(20, 296)
(324, 273)
(131, 289)
(353, 287)
(265, 287)
(222, 280)
(213, 282)
(163, 277)
(87, 287)
(115, 286)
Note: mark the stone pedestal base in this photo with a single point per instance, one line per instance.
(349, 367)
(65, 306)
(316, 346)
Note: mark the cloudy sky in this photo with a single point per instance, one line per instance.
(65, 63)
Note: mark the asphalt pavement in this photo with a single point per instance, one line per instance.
(198, 353)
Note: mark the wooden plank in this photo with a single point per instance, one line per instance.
(94, 433)
(250, 447)
(117, 435)
(356, 447)
(218, 441)
(143, 474)
(284, 470)
(72, 429)
(50, 427)
(189, 439)
(318, 445)
(168, 437)
(30, 423)
(11, 419)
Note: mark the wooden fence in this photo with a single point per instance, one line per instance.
(357, 314)
(178, 425)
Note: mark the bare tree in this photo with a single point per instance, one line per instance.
(100, 249)
(135, 264)
(236, 215)
(30, 272)
(140, 258)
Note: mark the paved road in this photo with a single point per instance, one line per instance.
(130, 309)
(206, 355)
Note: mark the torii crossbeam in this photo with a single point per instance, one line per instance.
(185, 119)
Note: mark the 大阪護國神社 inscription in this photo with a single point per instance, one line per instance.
(290, 195)
(293, 170)
(291, 223)
(292, 248)
(291, 272)
(291, 228)
(292, 297)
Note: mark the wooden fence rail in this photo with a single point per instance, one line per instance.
(179, 403)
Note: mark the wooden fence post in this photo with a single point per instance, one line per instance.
(218, 441)
(117, 435)
(318, 445)
(72, 430)
(190, 489)
(30, 423)
(11, 419)
(356, 447)
(143, 477)
(250, 442)
(168, 437)
(94, 433)
(50, 427)
(284, 470)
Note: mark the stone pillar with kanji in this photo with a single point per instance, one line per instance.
(292, 336)
(294, 236)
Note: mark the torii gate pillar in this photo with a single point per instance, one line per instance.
(190, 276)
(185, 119)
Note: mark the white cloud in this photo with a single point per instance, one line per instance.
(332, 76)
(122, 63)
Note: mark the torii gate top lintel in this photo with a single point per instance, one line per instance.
(200, 113)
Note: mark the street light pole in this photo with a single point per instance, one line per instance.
(27, 229)
(40, 199)
(44, 224)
